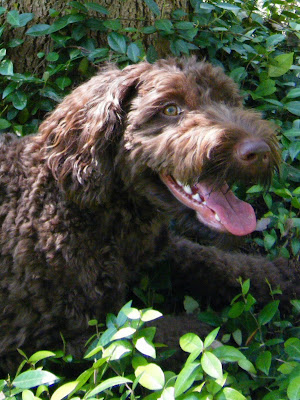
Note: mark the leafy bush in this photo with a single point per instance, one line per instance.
(256, 357)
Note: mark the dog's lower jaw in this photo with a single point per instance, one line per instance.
(219, 209)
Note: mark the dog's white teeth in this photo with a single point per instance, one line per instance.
(197, 197)
(179, 183)
(217, 217)
(204, 203)
(187, 189)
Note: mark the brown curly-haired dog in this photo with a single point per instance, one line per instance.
(86, 203)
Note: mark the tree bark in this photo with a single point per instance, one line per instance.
(132, 13)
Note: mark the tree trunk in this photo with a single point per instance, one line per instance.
(132, 13)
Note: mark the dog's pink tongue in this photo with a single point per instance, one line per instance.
(235, 215)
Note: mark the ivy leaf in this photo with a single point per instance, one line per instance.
(117, 42)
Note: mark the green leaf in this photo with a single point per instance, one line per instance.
(273, 40)
(211, 365)
(117, 42)
(292, 347)
(132, 313)
(123, 333)
(152, 376)
(190, 342)
(40, 355)
(145, 347)
(245, 287)
(247, 366)
(190, 305)
(25, 18)
(113, 24)
(117, 350)
(4, 123)
(19, 100)
(237, 336)
(263, 362)
(153, 7)
(133, 52)
(229, 354)
(269, 241)
(293, 390)
(63, 82)
(15, 43)
(64, 390)
(38, 30)
(118, 380)
(232, 394)
(97, 7)
(186, 378)
(164, 25)
(294, 93)
(13, 18)
(236, 309)
(6, 68)
(265, 88)
(211, 337)
(52, 56)
(27, 395)
(228, 7)
(150, 315)
(268, 312)
(30, 379)
(280, 65)
(293, 107)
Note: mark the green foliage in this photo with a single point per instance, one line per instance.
(256, 356)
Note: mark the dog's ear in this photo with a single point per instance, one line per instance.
(80, 135)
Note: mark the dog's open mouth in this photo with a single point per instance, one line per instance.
(219, 209)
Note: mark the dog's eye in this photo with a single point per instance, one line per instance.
(172, 110)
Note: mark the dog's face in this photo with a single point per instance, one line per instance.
(188, 135)
(174, 132)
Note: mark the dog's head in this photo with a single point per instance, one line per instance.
(174, 132)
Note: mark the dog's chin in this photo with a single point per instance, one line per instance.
(219, 209)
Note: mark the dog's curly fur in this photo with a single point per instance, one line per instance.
(85, 203)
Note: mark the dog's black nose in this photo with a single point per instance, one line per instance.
(251, 152)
